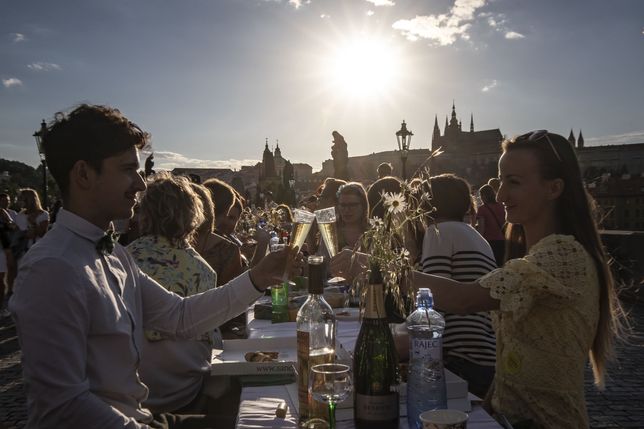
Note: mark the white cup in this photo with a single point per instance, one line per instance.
(444, 419)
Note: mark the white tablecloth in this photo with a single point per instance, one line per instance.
(258, 404)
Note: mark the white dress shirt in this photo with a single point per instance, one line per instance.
(80, 317)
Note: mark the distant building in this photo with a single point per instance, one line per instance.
(225, 174)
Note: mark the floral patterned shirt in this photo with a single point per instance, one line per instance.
(549, 312)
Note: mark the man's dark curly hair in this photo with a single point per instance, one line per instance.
(90, 133)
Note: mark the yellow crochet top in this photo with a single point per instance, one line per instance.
(549, 309)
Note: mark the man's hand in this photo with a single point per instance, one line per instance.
(271, 269)
(348, 264)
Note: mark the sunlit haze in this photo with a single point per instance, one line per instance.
(211, 80)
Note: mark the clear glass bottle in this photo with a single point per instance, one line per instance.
(426, 389)
(375, 364)
(316, 330)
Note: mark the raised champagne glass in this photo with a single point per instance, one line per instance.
(302, 221)
(326, 224)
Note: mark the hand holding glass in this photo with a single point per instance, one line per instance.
(302, 221)
(331, 383)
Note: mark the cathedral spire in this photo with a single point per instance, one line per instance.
(453, 110)
(445, 131)
(580, 140)
(436, 134)
(571, 138)
(471, 122)
(266, 147)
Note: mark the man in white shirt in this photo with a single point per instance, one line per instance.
(81, 304)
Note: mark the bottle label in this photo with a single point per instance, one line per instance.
(377, 408)
(303, 372)
(427, 348)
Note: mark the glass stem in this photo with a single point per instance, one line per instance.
(331, 415)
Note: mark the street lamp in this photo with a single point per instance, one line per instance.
(39, 135)
(403, 135)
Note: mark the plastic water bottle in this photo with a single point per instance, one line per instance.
(426, 389)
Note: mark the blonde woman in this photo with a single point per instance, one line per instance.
(169, 214)
(32, 218)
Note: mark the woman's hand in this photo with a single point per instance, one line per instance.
(348, 264)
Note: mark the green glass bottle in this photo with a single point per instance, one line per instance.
(375, 364)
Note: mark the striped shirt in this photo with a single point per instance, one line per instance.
(457, 251)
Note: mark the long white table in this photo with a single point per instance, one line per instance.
(258, 404)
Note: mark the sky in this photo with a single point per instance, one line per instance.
(212, 79)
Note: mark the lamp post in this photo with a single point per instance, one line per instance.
(403, 135)
(39, 135)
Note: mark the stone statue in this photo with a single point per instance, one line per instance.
(149, 163)
(340, 156)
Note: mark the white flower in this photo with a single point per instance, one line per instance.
(395, 202)
(375, 222)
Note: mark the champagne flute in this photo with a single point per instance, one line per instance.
(326, 223)
(302, 221)
(331, 383)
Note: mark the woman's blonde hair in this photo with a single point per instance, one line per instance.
(170, 208)
(32, 201)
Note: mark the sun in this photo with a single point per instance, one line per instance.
(364, 67)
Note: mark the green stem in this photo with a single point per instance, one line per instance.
(331, 415)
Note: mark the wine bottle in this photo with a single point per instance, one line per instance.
(375, 364)
(315, 338)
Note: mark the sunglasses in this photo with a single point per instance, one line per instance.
(535, 136)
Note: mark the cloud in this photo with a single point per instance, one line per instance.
(443, 29)
(165, 160)
(490, 86)
(18, 37)
(626, 138)
(43, 66)
(295, 3)
(513, 35)
(12, 81)
(382, 2)
(370, 13)
(324, 15)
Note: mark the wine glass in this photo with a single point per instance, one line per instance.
(331, 383)
(302, 221)
(326, 224)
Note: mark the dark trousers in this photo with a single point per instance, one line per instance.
(479, 378)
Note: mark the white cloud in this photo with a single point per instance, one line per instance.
(626, 138)
(43, 66)
(324, 15)
(165, 160)
(295, 3)
(382, 2)
(490, 86)
(513, 35)
(370, 13)
(12, 81)
(443, 29)
(18, 37)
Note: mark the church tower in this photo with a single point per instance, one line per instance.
(436, 135)
(571, 138)
(580, 141)
(268, 163)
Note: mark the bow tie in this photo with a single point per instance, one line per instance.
(105, 245)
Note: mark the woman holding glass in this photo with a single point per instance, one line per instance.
(554, 303)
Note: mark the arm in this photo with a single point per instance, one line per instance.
(53, 322)
(188, 317)
(480, 226)
(456, 297)
(263, 239)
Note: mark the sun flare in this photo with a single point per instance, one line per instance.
(363, 67)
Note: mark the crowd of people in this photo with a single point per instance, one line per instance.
(119, 334)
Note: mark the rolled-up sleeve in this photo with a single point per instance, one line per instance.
(53, 321)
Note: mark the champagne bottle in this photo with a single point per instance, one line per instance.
(375, 364)
(315, 338)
